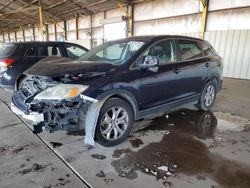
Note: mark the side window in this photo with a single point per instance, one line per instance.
(74, 51)
(52, 50)
(30, 52)
(164, 50)
(189, 50)
(206, 49)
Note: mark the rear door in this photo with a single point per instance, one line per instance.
(25, 59)
(29, 57)
(190, 68)
(49, 49)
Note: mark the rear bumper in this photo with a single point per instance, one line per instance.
(6, 82)
(33, 116)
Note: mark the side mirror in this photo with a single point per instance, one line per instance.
(150, 62)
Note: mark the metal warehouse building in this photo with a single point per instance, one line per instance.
(224, 23)
(124, 93)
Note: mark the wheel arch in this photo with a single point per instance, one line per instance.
(212, 78)
(18, 80)
(124, 95)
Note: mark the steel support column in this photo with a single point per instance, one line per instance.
(15, 37)
(130, 19)
(65, 29)
(41, 18)
(47, 32)
(34, 35)
(77, 28)
(91, 31)
(55, 30)
(23, 35)
(205, 4)
(9, 36)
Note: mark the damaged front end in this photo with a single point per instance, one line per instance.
(51, 105)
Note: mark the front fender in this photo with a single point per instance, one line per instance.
(124, 94)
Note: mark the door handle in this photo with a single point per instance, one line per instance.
(176, 71)
(207, 64)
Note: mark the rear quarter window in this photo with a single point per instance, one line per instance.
(30, 52)
(7, 49)
(206, 49)
(189, 50)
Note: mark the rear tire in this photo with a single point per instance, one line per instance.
(208, 96)
(115, 122)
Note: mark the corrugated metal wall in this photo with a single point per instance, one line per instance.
(234, 47)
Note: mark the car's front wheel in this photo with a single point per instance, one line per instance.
(115, 122)
(207, 97)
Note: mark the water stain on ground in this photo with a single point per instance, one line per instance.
(20, 149)
(34, 168)
(98, 156)
(136, 142)
(61, 182)
(100, 174)
(56, 144)
(74, 156)
(182, 151)
(118, 152)
(5, 149)
(76, 133)
(10, 125)
(247, 128)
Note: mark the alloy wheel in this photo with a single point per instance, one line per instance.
(114, 123)
(209, 95)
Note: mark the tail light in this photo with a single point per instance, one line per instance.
(6, 62)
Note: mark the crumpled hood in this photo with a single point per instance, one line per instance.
(59, 66)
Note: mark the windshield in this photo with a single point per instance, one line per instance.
(6, 50)
(117, 52)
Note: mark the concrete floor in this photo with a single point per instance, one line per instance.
(187, 148)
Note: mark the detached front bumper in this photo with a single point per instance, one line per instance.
(33, 116)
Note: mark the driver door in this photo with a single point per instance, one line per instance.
(157, 88)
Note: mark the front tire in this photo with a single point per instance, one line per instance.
(207, 97)
(115, 122)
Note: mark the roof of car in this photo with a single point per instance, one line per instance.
(40, 42)
(159, 37)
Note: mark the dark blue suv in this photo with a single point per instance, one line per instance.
(129, 79)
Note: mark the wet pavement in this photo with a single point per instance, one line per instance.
(183, 149)
(186, 148)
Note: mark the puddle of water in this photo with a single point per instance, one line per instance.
(136, 142)
(182, 151)
(101, 174)
(98, 156)
(118, 152)
(76, 133)
(5, 149)
(196, 123)
(35, 168)
(56, 144)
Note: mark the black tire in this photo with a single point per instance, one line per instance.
(20, 83)
(202, 105)
(116, 103)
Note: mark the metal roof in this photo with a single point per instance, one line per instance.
(18, 14)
